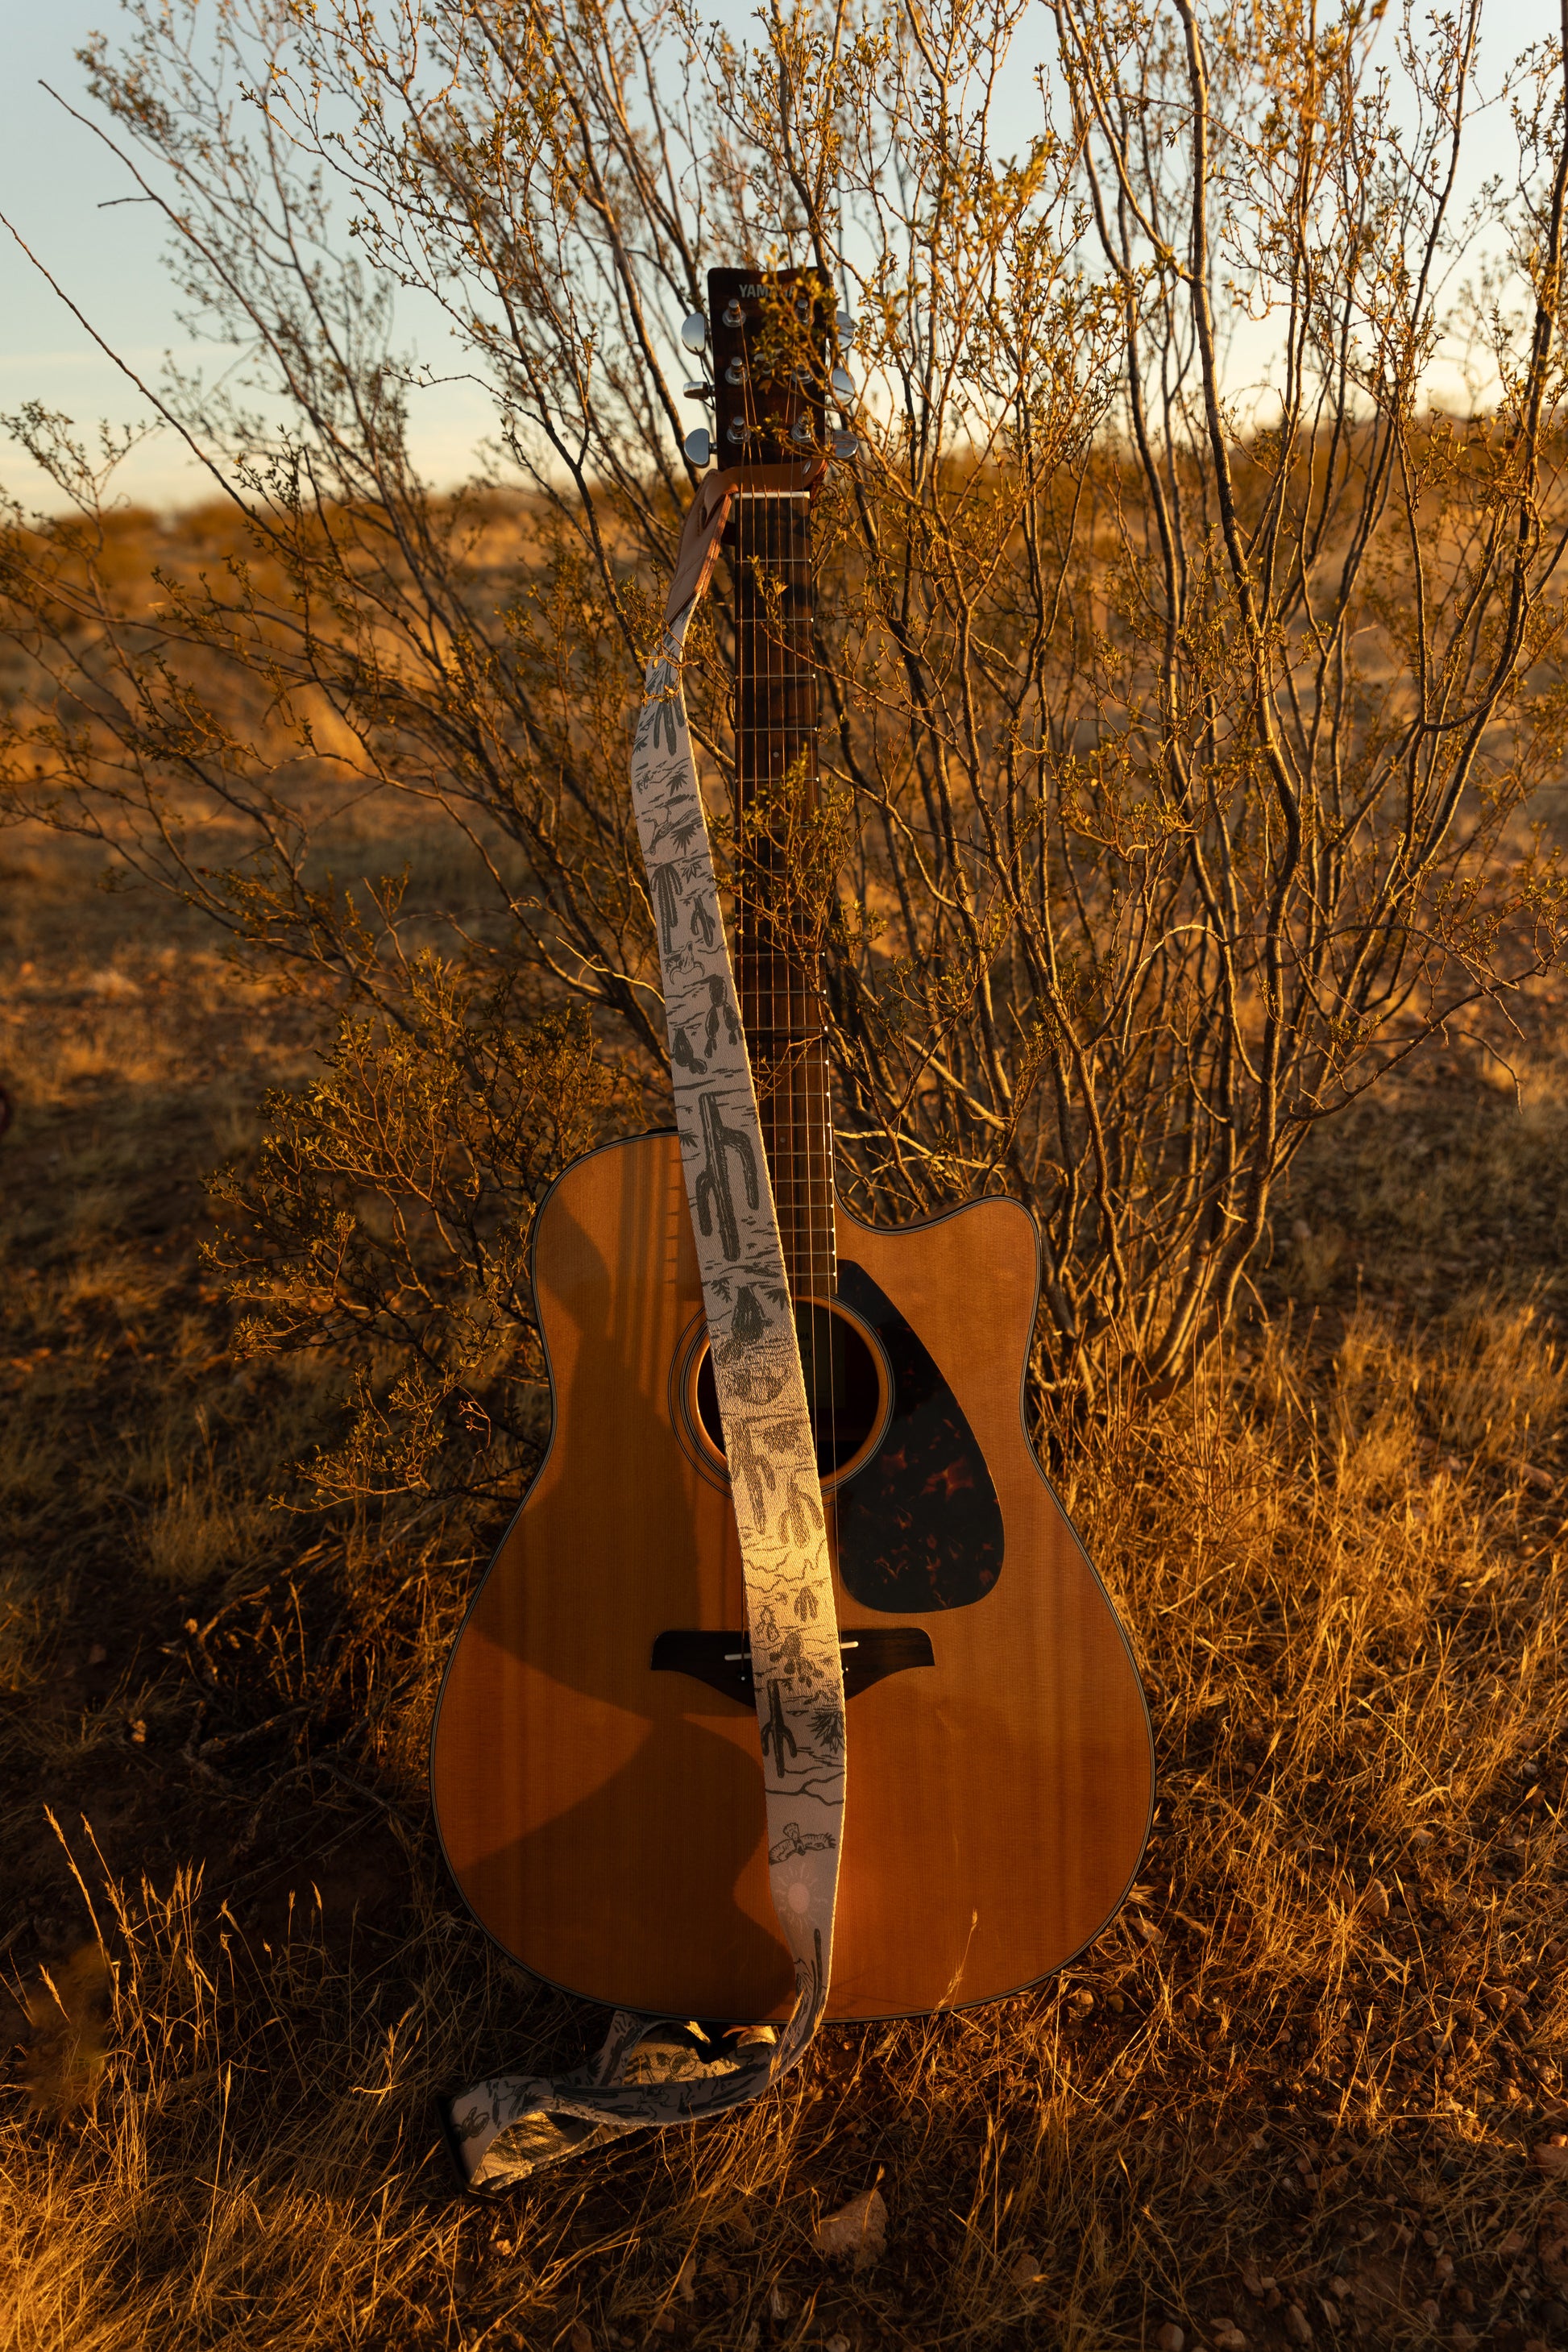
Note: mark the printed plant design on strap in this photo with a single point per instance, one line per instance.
(508, 2126)
(757, 1372)
(756, 1358)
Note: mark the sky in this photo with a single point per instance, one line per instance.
(54, 180)
(59, 186)
(62, 191)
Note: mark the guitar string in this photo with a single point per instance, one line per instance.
(795, 532)
(775, 546)
(759, 713)
(813, 1074)
(766, 714)
(817, 1073)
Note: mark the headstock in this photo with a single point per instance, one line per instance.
(769, 334)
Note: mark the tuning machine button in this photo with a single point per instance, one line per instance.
(699, 389)
(694, 333)
(737, 430)
(843, 326)
(845, 445)
(843, 383)
(736, 373)
(698, 448)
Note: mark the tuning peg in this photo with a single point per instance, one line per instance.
(845, 445)
(733, 316)
(694, 333)
(699, 448)
(842, 385)
(699, 390)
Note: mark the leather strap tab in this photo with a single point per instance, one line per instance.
(710, 512)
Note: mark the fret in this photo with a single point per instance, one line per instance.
(769, 407)
(775, 781)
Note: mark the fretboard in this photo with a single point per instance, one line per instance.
(776, 786)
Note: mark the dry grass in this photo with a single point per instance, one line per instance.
(1305, 2071)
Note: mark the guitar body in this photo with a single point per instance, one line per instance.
(603, 1814)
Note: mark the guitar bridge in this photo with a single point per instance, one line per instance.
(723, 1661)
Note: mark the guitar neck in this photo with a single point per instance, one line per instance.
(776, 788)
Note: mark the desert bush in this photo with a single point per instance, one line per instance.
(387, 1219)
(1186, 753)
(1321, 2046)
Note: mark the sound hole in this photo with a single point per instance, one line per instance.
(841, 1387)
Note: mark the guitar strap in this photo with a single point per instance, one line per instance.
(652, 2070)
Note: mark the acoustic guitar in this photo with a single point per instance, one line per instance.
(597, 1785)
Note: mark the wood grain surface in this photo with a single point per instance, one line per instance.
(605, 1823)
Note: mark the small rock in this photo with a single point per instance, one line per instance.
(1462, 2337)
(1430, 2311)
(97, 1654)
(138, 1733)
(1443, 2266)
(1374, 1902)
(1024, 2269)
(1251, 2281)
(578, 2338)
(1514, 2244)
(779, 2304)
(1551, 2156)
(665, 2324)
(1542, 1480)
(1341, 2287)
(1171, 2338)
(858, 2231)
(1228, 2337)
(838, 2344)
(686, 2277)
(1298, 2327)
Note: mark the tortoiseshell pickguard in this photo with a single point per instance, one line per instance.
(919, 1528)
